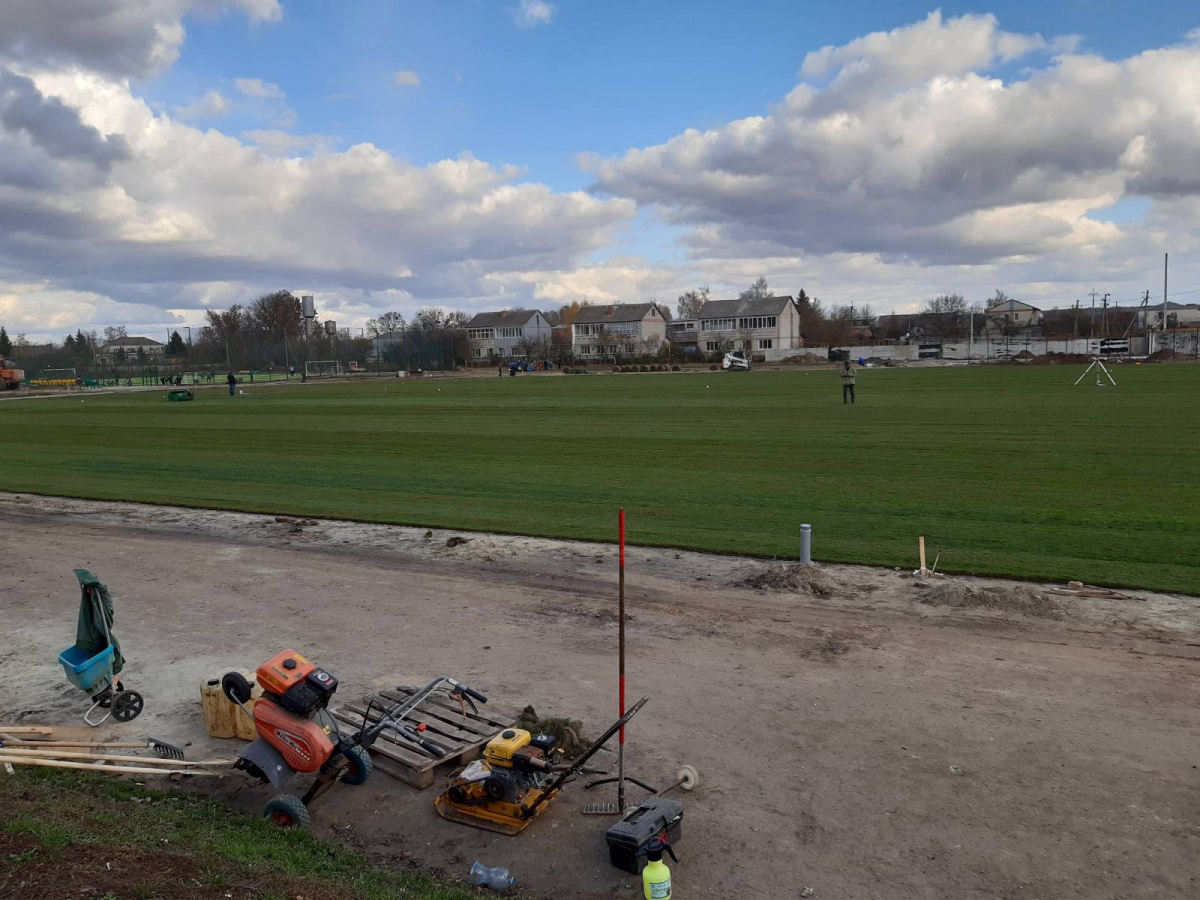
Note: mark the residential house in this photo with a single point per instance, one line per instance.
(684, 335)
(507, 334)
(624, 329)
(126, 350)
(1012, 315)
(1179, 315)
(769, 327)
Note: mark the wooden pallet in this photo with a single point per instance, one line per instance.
(462, 737)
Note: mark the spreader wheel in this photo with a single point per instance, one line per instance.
(127, 706)
(286, 811)
(359, 768)
(688, 777)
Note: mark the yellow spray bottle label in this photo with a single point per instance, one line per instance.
(656, 877)
(656, 881)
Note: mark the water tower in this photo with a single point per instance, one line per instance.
(308, 309)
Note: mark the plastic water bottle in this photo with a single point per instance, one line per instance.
(497, 879)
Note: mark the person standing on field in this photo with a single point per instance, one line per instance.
(848, 373)
(232, 381)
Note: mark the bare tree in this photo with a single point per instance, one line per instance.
(945, 315)
(757, 291)
(429, 318)
(114, 333)
(690, 303)
(385, 324)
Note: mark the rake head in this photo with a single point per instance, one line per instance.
(164, 750)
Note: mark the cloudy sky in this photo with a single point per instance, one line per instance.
(158, 157)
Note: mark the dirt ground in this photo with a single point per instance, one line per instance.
(857, 731)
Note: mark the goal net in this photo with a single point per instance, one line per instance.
(322, 367)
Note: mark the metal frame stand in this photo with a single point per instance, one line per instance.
(1100, 370)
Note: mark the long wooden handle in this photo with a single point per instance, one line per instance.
(100, 767)
(79, 754)
(116, 745)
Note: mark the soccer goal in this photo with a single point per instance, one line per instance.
(327, 367)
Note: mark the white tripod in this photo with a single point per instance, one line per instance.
(1100, 371)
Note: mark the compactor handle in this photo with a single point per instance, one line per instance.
(471, 692)
(432, 749)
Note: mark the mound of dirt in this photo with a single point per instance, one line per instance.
(1164, 355)
(1024, 601)
(796, 578)
(806, 359)
(1060, 359)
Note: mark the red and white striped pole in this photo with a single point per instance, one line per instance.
(621, 661)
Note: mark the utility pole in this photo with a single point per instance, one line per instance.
(1164, 319)
(1104, 317)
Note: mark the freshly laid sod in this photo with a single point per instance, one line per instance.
(1005, 470)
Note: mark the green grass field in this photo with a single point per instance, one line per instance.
(1007, 470)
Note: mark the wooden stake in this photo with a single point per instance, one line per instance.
(921, 543)
(109, 757)
(100, 767)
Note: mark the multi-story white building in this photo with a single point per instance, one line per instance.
(126, 350)
(623, 329)
(507, 334)
(769, 326)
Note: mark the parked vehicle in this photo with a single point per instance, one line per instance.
(10, 376)
(737, 361)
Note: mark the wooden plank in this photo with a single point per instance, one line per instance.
(451, 715)
(495, 712)
(49, 732)
(421, 779)
(388, 747)
(451, 726)
(445, 743)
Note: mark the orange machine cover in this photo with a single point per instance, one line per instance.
(276, 679)
(304, 744)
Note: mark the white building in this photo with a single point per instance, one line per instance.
(624, 329)
(507, 334)
(767, 326)
(125, 350)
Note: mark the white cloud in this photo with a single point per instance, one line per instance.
(177, 208)
(283, 143)
(128, 38)
(910, 152)
(531, 13)
(258, 89)
(211, 106)
(408, 78)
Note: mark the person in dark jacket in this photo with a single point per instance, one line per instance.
(232, 383)
(847, 381)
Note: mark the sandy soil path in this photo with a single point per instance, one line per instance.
(851, 738)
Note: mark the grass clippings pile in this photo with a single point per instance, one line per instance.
(568, 732)
(1024, 601)
(795, 578)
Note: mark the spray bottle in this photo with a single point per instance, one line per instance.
(656, 877)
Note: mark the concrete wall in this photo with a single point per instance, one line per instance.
(984, 349)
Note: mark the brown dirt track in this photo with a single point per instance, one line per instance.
(865, 744)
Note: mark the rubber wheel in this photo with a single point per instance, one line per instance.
(127, 706)
(235, 686)
(359, 768)
(494, 788)
(286, 811)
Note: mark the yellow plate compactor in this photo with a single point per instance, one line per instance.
(514, 781)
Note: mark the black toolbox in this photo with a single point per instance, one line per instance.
(629, 838)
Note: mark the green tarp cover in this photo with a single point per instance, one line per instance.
(89, 633)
